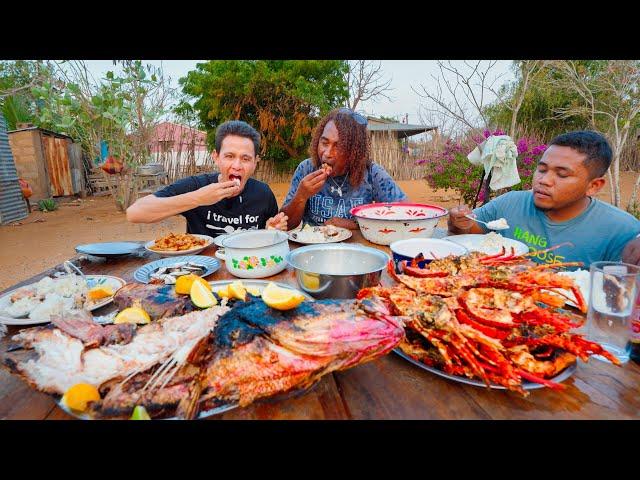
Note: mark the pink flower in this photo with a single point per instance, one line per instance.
(486, 133)
(522, 145)
(539, 149)
(528, 161)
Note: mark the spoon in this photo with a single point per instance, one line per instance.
(492, 225)
(69, 265)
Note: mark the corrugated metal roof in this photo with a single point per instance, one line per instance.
(403, 129)
(49, 132)
(12, 205)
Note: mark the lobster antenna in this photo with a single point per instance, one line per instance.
(550, 249)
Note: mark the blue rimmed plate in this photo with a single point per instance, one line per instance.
(143, 274)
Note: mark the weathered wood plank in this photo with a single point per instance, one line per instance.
(391, 388)
(322, 402)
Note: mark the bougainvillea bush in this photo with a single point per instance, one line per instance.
(450, 169)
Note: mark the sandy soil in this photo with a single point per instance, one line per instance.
(44, 240)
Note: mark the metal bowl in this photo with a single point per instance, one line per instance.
(337, 270)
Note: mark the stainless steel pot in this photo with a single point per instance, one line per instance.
(337, 270)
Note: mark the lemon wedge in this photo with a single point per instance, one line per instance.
(224, 291)
(79, 395)
(202, 296)
(140, 413)
(97, 293)
(310, 281)
(255, 291)
(132, 315)
(281, 298)
(237, 290)
(183, 283)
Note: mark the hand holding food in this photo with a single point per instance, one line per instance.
(279, 222)
(214, 192)
(312, 183)
(458, 219)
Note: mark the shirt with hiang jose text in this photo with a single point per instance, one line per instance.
(598, 233)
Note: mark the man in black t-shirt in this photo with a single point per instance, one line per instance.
(213, 203)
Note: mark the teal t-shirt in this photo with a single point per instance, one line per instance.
(598, 233)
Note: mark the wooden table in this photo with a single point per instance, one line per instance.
(386, 388)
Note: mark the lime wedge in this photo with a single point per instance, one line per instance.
(140, 413)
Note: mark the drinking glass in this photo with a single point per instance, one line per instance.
(614, 288)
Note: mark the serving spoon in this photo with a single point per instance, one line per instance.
(490, 225)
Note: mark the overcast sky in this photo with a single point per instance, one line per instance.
(403, 73)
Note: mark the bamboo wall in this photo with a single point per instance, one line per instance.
(385, 151)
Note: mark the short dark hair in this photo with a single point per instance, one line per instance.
(593, 145)
(240, 129)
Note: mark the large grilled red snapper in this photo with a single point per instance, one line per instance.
(259, 352)
(255, 351)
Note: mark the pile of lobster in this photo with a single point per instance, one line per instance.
(499, 318)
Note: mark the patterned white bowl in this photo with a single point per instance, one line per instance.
(385, 223)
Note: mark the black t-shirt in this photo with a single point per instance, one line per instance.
(249, 210)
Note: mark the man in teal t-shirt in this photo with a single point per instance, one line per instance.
(561, 206)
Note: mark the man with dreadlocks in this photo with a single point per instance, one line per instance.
(339, 175)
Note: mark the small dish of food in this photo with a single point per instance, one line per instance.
(179, 244)
(309, 235)
(168, 270)
(36, 303)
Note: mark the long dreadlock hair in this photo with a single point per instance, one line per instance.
(354, 144)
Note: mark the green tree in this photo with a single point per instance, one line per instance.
(283, 99)
(17, 77)
(122, 109)
(542, 100)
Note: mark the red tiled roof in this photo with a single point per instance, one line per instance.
(179, 135)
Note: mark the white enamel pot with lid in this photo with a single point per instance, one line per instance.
(255, 253)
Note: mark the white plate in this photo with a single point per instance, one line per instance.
(218, 240)
(171, 253)
(107, 280)
(475, 243)
(582, 280)
(93, 280)
(343, 234)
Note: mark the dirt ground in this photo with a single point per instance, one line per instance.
(43, 240)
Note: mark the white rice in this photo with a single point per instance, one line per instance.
(311, 234)
(50, 296)
(53, 304)
(493, 240)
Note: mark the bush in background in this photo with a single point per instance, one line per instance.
(449, 168)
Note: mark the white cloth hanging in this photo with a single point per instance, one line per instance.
(498, 152)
